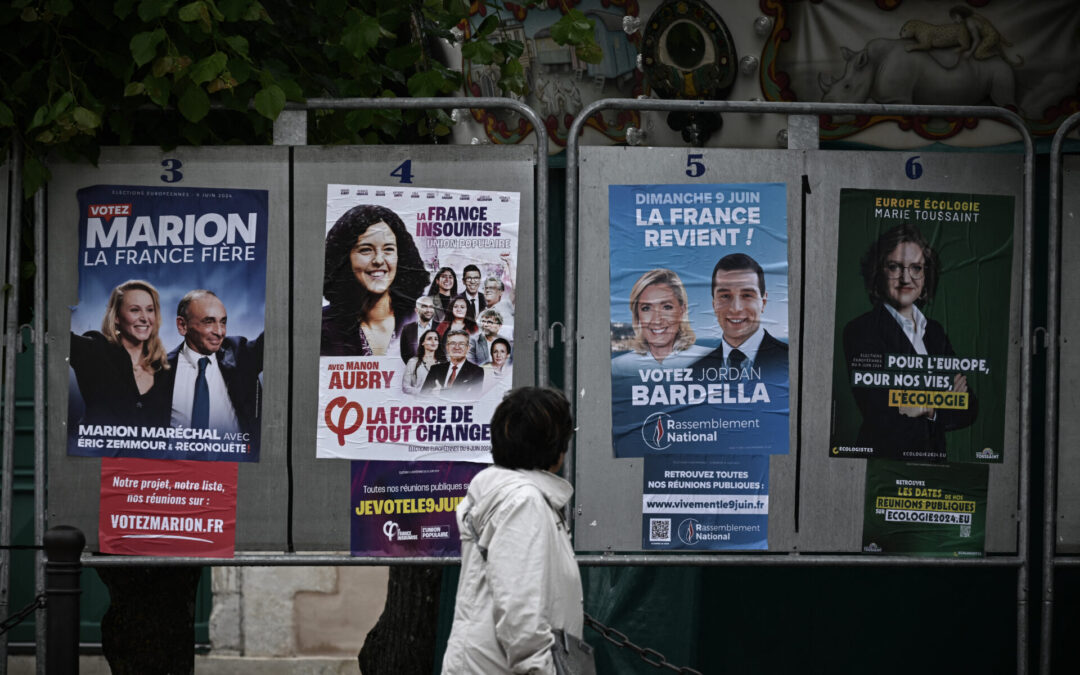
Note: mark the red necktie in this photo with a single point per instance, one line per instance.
(453, 376)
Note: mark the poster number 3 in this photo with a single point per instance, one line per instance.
(172, 171)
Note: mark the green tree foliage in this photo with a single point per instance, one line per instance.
(77, 75)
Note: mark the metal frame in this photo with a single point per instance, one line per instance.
(10, 338)
(1020, 560)
(1050, 559)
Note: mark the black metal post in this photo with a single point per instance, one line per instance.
(63, 548)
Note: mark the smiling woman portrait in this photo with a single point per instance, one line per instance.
(661, 319)
(120, 369)
(372, 276)
(900, 271)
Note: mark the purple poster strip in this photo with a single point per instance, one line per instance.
(407, 508)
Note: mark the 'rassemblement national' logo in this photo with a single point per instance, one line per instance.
(688, 531)
(653, 432)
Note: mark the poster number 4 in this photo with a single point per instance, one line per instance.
(694, 166)
(404, 171)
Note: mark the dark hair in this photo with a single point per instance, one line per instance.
(189, 297)
(502, 341)
(738, 261)
(872, 265)
(531, 428)
(471, 268)
(340, 287)
(470, 324)
(434, 289)
(440, 355)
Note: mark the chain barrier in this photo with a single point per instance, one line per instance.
(17, 618)
(649, 656)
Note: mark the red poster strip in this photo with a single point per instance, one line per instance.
(168, 507)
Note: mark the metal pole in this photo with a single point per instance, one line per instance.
(40, 521)
(63, 546)
(1053, 339)
(591, 560)
(11, 335)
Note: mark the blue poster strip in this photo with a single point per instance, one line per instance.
(407, 508)
(699, 325)
(705, 503)
(167, 339)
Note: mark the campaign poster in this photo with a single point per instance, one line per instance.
(925, 509)
(167, 339)
(699, 319)
(417, 341)
(690, 502)
(922, 325)
(407, 508)
(168, 508)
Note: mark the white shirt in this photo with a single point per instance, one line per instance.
(914, 330)
(474, 303)
(749, 347)
(222, 413)
(506, 309)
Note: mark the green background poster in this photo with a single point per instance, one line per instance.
(972, 237)
(925, 509)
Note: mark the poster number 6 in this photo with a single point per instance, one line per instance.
(913, 169)
(694, 166)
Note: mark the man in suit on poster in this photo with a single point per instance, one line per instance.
(214, 378)
(458, 378)
(474, 299)
(410, 334)
(739, 298)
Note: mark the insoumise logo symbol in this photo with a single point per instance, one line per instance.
(390, 528)
(653, 433)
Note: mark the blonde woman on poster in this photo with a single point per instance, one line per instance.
(662, 333)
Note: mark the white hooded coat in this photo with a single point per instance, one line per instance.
(508, 605)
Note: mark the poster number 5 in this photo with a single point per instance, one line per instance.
(694, 166)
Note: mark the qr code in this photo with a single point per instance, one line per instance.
(660, 529)
(965, 530)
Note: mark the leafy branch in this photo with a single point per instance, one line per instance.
(75, 76)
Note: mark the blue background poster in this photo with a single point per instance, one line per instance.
(691, 502)
(674, 388)
(176, 240)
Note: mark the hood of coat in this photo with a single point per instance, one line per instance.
(492, 486)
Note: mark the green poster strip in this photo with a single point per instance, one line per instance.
(922, 326)
(925, 509)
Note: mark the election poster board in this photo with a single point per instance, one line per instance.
(692, 502)
(391, 252)
(922, 325)
(134, 387)
(925, 509)
(407, 508)
(168, 507)
(699, 319)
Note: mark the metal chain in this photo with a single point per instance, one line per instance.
(17, 618)
(649, 656)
